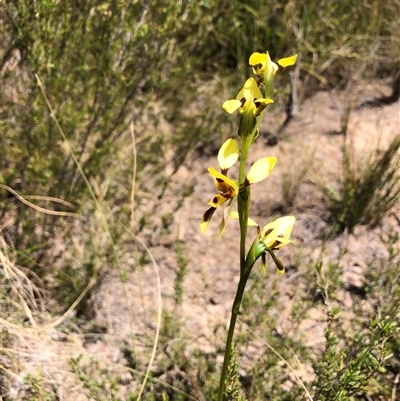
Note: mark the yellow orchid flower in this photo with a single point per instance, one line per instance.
(227, 157)
(276, 234)
(262, 61)
(272, 237)
(229, 189)
(249, 98)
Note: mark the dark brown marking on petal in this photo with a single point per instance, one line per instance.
(220, 180)
(209, 213)
(260, 107)
(276, 244)
(243, 101)
(215, 200)
(268, 232)
(279, 265)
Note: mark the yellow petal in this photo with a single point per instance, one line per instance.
(234, 215)
(263, 101)
(250, 91)
(276, 234)
(287, 61)
(205, 220)
(223, 183)
(218, 200)
(260, 105)
(203, 225)
(257, 58)
(250, 222)
(230, 106)
(282, 226)
(258, 62)
(262, 61)
(228, 154)
(261, 169)
(224, 219)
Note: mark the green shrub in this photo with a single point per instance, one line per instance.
(368, 191)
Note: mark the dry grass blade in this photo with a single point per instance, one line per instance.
(159, 310)
(59, 320)
(39, 208)
(134, 169)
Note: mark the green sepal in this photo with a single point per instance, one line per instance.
(268, 78)
(244, 208)
(255, 251)
(260, 249)
(246, 125)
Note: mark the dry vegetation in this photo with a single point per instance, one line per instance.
(107, 289)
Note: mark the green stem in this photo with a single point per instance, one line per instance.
(243, 157)
(254, 253)
(243, 206)
(247, 131)
(248, 127)
(228, 346)
(243, 210)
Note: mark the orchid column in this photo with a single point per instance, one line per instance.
(251, 103)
